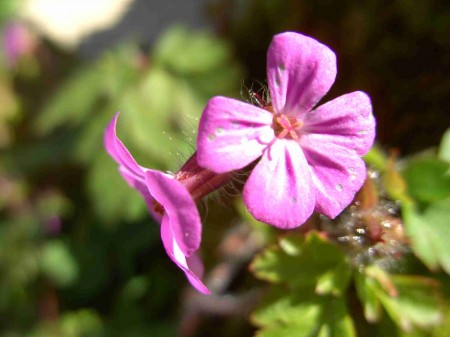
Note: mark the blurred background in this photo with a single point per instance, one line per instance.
(79, 255)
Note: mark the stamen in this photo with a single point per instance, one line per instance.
(285, 126)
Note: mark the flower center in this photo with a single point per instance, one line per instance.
(285, 127)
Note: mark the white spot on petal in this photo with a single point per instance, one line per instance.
(339, 187)
(178, 254)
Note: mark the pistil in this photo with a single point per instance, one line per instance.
(285, 126)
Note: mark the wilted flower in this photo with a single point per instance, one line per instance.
(310, 157)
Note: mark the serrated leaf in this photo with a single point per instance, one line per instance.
(283, 308)
(302, 313)
(304, 261)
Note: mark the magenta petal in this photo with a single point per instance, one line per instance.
(300, 71)
(138, 183)
(337, 172)
(180, 208)
(279, 190)
(118, 151)
(173, 249)
(346, 121)
(232, 134)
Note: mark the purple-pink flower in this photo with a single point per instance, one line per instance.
(17, 42)
(170, 203)
(309, 156)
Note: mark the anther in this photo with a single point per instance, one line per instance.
(285, 126)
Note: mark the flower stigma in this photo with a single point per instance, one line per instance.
(285, 127)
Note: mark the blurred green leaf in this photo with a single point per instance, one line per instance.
(395, 184)
(421, 235)
(444, 147)
(436, 217)
(411, 301)
(268, 232)
(366, 294)
(443, 330)
(82, 323)
(376, 158)
(85, 92)
(8, 8)
(73, 101)
(111, 196)
(299, 261)
(430, 233)
(58, 264)
(185, 52)
(417, 303)
(428, 179)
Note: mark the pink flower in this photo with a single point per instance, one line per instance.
(309, 156)
(170, 203)
(17, 42)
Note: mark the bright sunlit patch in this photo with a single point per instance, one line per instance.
(179, 256)
(67, 22)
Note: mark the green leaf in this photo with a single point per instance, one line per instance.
(420, 234)
(416, 304)
(112, 198)
(411, 301)
(185, 52)
(428, 179)
(335, 320)
(89, 89)
(301, 313)
(365, 290)
(437, 218)
(280, 309)
(73, 101)
(299, 261)
(58, 264)
(430, 233)
(376, 158)
(444, 147)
